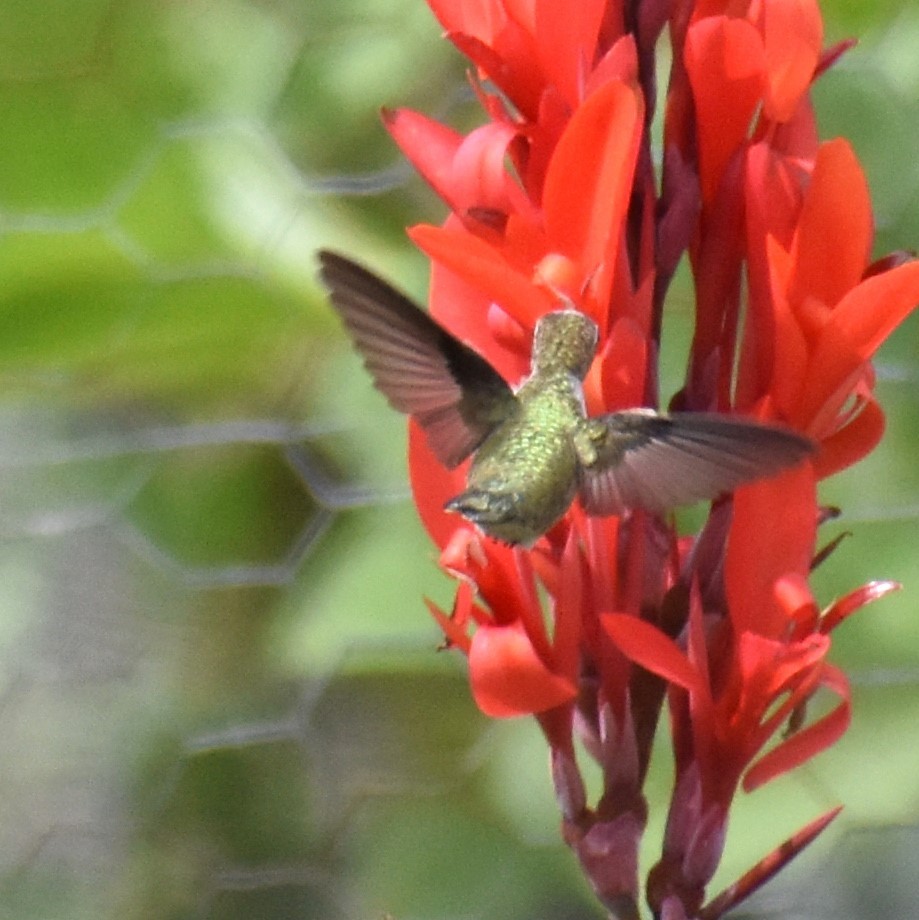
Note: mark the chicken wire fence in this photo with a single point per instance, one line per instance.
(219, 693)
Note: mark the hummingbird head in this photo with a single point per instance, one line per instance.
(564, 340)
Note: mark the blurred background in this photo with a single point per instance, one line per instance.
(219, 693)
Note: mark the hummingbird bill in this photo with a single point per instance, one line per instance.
(534, 449)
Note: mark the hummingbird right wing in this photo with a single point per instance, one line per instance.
(641, 459)
(455, 394)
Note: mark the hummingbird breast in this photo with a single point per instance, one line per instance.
(524, 476)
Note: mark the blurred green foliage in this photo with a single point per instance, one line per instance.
(219, 695)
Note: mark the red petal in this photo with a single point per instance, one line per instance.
(569, 605)
(477, 17)
(432, 486)
(797, 138)
(869, 313)
(772, 198)
(790, 353)
(648, 646)
(503, 578)
(859, 324)
(589, 180)
(454, 627)
(622, 367)
(483, 266)
(469, 314)
(726, 64)
(508, 678)
(772, 535)
(772, 677)
(429, 145)
(835, 228)
(807, 742)
(718, 259)
(566, 38)
(466, 172)
(794, 595)
(619, 63)
(510, 62)
(852, 442)
(844, 607)
(480, 176)
(793, 38)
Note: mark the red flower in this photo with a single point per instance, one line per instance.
(515, 666)
(815, 299)
(555, 198)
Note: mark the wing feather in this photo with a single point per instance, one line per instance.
(423, 370)
(659, 462)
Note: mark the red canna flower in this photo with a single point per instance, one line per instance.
(556, 199)
(515, 666)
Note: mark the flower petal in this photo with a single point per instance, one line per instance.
(807, 742)
(566, 39)
(772, 535)
(432, 486)
(835, 228)
(510, 62)
(870, 312)
(853, 441)
(844, 607)
(455, 625)
(508, 678)
(483, 265)
(726, 65)
(793, 39)
(483, 18)
(480, 175)
(429, 145)
(648, 646)
(859, 324)
(622, 366)
(587, 185)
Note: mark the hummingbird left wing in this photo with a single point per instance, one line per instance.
(641, 459)
(424, 371)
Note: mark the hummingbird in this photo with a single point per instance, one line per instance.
(535, 448)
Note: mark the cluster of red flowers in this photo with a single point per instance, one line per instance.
(565, 192)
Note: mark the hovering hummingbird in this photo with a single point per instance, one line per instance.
(535, 448)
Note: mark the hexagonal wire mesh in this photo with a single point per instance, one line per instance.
(218, 689)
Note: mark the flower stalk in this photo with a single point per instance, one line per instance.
(563, 195)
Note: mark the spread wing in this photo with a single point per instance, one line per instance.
(640, 458)
(423, 370)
